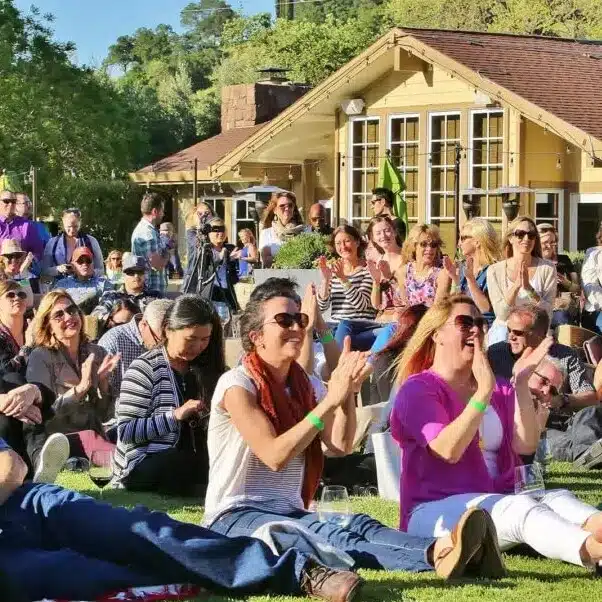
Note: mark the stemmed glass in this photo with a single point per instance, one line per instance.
(528, 479)
(99, 470)
(334, 506)
(223, 311)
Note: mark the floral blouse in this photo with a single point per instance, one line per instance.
(421, 291)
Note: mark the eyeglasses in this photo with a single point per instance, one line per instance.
(61, 314)
(286, 320)
(74, 210)
(9, 201)
(517, 333)
(520, 234)
(315, 219)
(466, 323)
(218, 229)
(287, 206)
(84, 261)
(546, 383)
(464, 237)
(14, 256)
(22, 295)
(433, 244)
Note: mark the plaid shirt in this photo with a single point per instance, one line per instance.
(127, 340)
(111, 298)
(502, 361)
(146, 241)
(84, 290)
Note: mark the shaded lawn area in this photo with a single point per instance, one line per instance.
(531, 578)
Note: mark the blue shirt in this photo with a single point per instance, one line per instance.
(3, 445)
(481, 279)
(146, 241)
(82, 290)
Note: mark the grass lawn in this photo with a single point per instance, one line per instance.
(530, 578)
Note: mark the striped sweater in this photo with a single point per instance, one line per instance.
(352, 303)
(145, 412)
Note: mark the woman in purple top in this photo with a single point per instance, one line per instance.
(461, 431)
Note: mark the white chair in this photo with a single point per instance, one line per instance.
(387, 455)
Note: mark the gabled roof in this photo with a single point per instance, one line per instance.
(207, 152)
(562, 76)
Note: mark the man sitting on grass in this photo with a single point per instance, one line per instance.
(57, 543)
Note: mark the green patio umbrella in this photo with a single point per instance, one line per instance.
(391, 178)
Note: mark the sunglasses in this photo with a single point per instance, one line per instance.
(134, 272)
(433, 245)
(22, 295)
(520, 234)
(546, 382)
(14, 256)
(74, 210)
(286, 320)
(84, 261)
(218, 229)
(517, 333)
(466, 323)
(464, 237)
(61, 314)
(9, 201)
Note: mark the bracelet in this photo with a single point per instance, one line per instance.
(326, 336)
(315, 420)
(479, 406)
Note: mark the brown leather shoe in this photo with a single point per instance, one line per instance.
(467, 537)
(488, 561)
(318, 581)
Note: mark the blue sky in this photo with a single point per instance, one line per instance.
(95, 24)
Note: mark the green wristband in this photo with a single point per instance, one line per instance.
(327, 337)
(316, 421)
(480, 406)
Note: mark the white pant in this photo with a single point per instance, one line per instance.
(551, 526)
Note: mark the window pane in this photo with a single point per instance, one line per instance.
(411, 181)
(372, 133)
(436, 180)
(479, 127)
(357, 205)
(447, 230)
(412, 128)
(357, 181)
(495, 125)
(411, 159)
(450, 154)
(478, 153)
(437, 153)
(478, 177)
(358, 132)
(372, 157)
(411, 200)
(450, 180)
(396, 130)
(453, 126)
(450, 205)
(495, 151)
(371, 180)
(495, 206)
(495, 178)
(436, 128)
(397, 155)
(437, 205)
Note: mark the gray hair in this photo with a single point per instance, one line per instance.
(155, 312)
(555, 363)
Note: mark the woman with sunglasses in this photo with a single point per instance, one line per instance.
(523, 277)
(15, 331)
(281, 220)
(461, 433)
(114, 268)
(76, 371)
(421, 275)
(15, 264)
(164, 403)
(480, 246)
(269, 421)
(59, 249)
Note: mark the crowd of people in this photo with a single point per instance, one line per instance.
(458, 351)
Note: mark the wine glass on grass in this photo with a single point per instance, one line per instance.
(528, 479)
(334, 506)
(100, 469)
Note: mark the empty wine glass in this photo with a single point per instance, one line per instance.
(528, 479)
(334, 506)
(100, 469)
(223, 311)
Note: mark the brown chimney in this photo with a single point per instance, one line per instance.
(246, 105)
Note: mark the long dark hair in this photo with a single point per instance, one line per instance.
(189, 311)
(355, 234)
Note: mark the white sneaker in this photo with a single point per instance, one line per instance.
(52, 458)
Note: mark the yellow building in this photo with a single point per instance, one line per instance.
(515, 111)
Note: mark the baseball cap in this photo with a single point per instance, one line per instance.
(135, 263)
(81, 252)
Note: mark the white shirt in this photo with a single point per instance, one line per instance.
(491, 433)
(269, 238)
(590, 277)
(237, 477)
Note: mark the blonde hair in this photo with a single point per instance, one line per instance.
(510, 232)
(419, 353)
(9, 285)
(268, 214)
(249, 233)
(489, 249)
(42, 331)
(192, 217)
(408, 250)
(108, 259)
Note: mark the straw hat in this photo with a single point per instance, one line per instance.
(10, 247)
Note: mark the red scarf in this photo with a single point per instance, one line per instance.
(285, 410)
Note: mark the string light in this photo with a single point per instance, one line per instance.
(558, 163)
(318, 173)
(290, 172)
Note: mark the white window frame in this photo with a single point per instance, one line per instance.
(560, 218)
(430, 140)
(351, 169)
(211, 200)
(248, 199)
(471, 165)
(403, 168)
